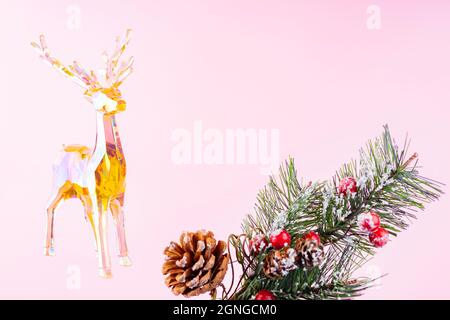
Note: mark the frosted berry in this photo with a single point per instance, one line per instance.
(369, 221)
(280, 239)
(258, 244)
(312, 235)
(347, 186)
(379, 237)
(265, 295)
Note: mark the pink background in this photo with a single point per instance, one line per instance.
(311, 69)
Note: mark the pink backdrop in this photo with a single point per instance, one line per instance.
(317, 71)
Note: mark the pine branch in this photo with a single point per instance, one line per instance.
(388, 182)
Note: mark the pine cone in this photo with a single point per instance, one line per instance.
(278, 263)
(196, 265)
(309, 253)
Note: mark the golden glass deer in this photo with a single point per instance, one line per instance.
(96, 177)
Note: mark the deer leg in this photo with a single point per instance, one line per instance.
(49, 249)
(101, 221)
(89, 215)
(119, 219)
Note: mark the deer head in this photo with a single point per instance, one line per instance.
(101, 87)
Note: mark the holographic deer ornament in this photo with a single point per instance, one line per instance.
(96, 177)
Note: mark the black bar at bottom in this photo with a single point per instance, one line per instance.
(204, 309)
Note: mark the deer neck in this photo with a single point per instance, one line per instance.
(108, 140)
(107, 164)
(112, 139)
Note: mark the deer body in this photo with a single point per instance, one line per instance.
(95, 177)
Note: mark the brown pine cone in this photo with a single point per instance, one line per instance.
(278, 263)
(196, 265)
(309, 253)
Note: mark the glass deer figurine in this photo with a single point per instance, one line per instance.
(96, 177)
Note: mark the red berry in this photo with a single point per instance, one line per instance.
(369, 221)
(258, 243)
(280, 239)
(312, 236)
(347, 186)
(265, 295)
(379, 237)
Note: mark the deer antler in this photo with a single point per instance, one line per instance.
(113, 75)
(74, 72)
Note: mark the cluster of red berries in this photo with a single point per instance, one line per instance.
(368, 222)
